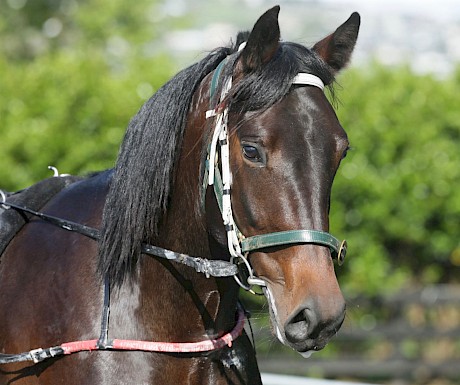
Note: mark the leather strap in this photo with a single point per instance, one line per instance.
(316, 237)
(288, 237)
(215, 268)
(215, 79)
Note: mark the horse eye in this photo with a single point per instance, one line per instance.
(251, 153)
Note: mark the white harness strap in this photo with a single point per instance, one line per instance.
(221, 134)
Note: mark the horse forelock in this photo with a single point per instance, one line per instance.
(262, 88)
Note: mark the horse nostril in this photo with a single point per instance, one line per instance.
(298, 327)
(310, 328)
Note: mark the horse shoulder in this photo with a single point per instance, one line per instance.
(55, 273)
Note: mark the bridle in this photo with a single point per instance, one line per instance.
(238, 245)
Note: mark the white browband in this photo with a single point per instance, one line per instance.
(308, 80)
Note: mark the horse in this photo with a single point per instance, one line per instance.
(226, 172)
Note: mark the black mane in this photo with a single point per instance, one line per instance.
(143, 176)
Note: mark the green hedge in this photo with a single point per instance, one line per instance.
(66, 99)
(68, 111)
(395, 197)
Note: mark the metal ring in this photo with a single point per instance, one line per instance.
(2, 203)
(251, 280)
(248, 266)
(342, 252)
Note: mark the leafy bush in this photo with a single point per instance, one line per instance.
(66, 99)
(69, 112)
(395, 197)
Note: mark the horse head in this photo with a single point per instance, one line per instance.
(285, 146)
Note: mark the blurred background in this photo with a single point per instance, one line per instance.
(72, 74)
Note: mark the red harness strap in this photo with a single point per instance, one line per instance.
(169, 347)
(38, 355)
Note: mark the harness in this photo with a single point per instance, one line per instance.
(201, 265)
(239, 246)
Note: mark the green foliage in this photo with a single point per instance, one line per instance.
(395, 196)
(69, 112)
(66, 100)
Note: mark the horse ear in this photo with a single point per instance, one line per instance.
(336, 49)
(262, 42)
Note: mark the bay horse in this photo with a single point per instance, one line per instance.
(242, 142)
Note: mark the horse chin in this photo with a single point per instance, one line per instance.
(306, 349)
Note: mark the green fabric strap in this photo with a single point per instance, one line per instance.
(316, 237)
(291, 236)
(215, 79)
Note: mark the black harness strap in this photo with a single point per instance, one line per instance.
(103, 341)
(59, 222)
(36, 355)
(35, 197)
(214, 268)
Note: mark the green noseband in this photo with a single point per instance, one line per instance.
(316, 237)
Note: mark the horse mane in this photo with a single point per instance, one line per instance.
(144, 173)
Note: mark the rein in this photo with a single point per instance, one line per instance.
(211, 268)
(215, 268)
(103, 343)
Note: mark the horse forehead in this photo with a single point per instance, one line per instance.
(304, 115)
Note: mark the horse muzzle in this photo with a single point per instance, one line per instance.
(307, 330)
(310, 326)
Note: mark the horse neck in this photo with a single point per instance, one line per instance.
(184, 225)
(212, 301)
